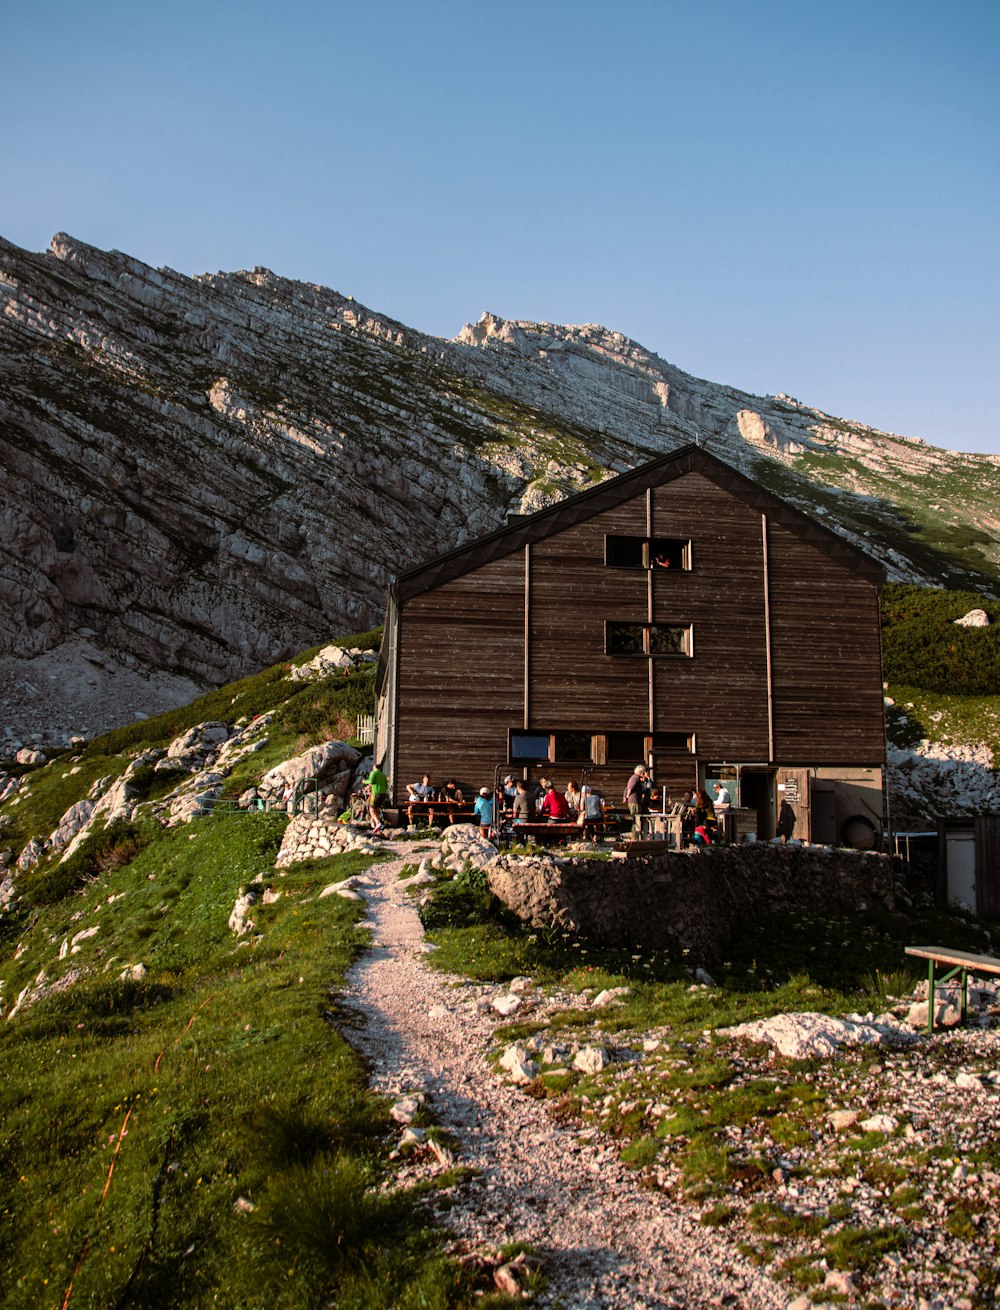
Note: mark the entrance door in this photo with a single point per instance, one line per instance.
(757, 793)
(960, 857)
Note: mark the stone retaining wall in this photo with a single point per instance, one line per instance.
(692, 901)
(311, 838)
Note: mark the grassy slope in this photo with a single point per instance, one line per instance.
(136, 1113)
(947, 677)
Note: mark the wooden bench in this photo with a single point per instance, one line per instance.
(961, 962)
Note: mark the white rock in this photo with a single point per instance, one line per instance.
(610, 995)
(407, 1107)
(969, 1082)
(507, 1003)
(974, 619)
(591, 1059)
(843, 1119)
(878, 1123)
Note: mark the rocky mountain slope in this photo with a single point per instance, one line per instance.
(201, 475)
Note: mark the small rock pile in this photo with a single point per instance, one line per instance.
(331, 660)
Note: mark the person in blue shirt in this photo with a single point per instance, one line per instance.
(484, 810)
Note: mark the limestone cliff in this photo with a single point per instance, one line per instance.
(201, 475)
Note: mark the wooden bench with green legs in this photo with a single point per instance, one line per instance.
(956, 962)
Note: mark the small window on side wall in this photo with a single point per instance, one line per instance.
(647, 639)
(656, 553)
(529, 746)
(625, 552)
(630, 746)
(674, 743)
(669, 553)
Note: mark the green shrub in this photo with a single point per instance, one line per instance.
(922, 647)
(115, 846)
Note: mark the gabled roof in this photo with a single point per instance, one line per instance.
(606, 495)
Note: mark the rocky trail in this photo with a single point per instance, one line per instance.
(604, 1241)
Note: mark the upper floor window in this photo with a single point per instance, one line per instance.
(647, 553)
(647, 639)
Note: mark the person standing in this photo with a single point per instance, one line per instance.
(636, 791)
(378, 790)
(484, 810)
(786, 822)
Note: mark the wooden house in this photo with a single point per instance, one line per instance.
(679, 615)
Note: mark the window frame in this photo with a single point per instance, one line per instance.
(648, 548)
(647, 629)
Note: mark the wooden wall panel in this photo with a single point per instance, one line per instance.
(721, 693)
(461, 676)
(574, 685)
(826, 658)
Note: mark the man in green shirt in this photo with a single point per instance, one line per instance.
(378, 789)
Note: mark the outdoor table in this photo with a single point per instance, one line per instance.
(419, 809)
(962, 962)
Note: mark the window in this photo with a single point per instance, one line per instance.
(624, 638)
(674, 743)
(529, 746)
(551, 747)
(629, 746)
(573, 746)
(647, 639)
(669, 553)
(625, 552)
(657, 553)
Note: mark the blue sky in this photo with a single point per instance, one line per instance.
(797, 197)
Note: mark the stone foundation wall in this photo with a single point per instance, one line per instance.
(687, 901)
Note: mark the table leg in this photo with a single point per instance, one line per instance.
(930, 996)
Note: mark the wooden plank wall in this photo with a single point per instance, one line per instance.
(826, 657)
(461, 676)
(722, 693)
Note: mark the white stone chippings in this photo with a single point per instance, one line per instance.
(607, 1242)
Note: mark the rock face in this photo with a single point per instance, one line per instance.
(686, 902)
(203, 475)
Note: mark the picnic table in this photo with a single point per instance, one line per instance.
(961, 962)
(456, 811)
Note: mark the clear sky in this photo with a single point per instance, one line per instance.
(782, 195)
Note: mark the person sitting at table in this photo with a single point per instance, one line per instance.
(484, 810)
(572, 798)
(553, 807)
(591, 812)
(422, 790)
(524, 810)
(541, 787)
(509, 793)
(452, 792)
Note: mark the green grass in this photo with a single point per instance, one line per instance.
(230, 1083)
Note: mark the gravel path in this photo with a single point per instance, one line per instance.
(605, 1242)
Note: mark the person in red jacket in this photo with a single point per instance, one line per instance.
(553, 806)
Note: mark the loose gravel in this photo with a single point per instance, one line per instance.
(605, 1241)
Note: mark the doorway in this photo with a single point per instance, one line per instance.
(757, 793)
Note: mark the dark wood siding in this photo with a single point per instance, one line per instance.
(461, 676)
(573, 683)
(825, 657)
(721, 693)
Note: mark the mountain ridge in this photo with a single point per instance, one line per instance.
(203, 474)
